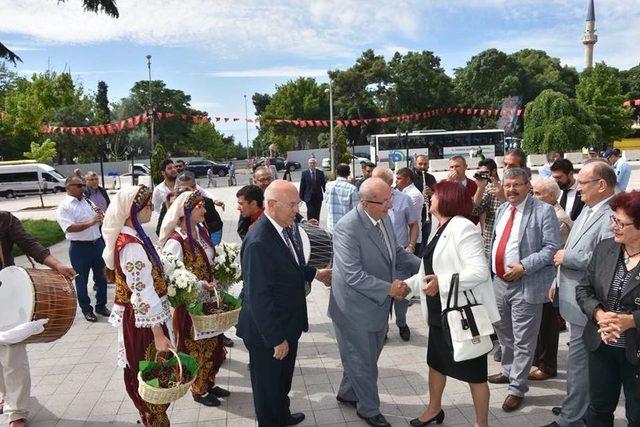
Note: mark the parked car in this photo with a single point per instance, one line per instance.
(326, 162)
(200, 168)
(29, 177)
(280, 163)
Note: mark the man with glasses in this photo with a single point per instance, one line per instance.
(596, 186)
(94, 192)
(80, 220)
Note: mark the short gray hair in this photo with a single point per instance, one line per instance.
(514, 173)
(384, 173)
(90, 174)
(186, 176)
(552, 187)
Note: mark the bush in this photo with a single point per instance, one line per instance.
(47, 232)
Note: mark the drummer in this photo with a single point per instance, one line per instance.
(141, 312)
(184, 234)
(15, 384)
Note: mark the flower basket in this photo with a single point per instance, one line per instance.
(218, 322)
(151, 392)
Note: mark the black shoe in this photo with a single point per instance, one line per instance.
(341, 399)
(90, 317)
(208, 400)
(226, 341)
(375, 421)
(438, 419)
(218, 391)
(103, 311)
(294, 419)
(556, 410)
(405, 333)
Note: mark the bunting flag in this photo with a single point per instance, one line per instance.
(132, 122)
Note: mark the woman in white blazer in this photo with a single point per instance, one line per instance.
(456, 247)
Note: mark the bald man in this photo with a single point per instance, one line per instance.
(274, 310)
(368, 265)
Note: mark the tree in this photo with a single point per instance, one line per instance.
(156, 158)
(545, 72)
(107, 6)
(600, 92)
(260, 101)
(630, 81)
(42, 153)
(103, 113)
(555, 122)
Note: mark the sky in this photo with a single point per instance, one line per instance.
(218, 51)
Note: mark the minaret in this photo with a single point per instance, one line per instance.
(590, 38)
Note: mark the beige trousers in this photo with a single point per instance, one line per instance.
(15, 380)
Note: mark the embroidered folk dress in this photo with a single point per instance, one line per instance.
(140, 304)
(207, 347)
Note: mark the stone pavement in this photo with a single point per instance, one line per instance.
(75, 381)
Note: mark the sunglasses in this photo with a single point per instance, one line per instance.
(77, 185)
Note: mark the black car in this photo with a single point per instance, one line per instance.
(280, 164)
(200, 168)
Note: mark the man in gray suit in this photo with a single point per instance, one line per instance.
(526, 237)
(367, 266)
(596, 186)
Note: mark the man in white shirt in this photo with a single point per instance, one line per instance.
(80, 221)
(570, 201)
(405, 178)
(162, 190)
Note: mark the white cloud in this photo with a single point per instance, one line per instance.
(205, 105)
(273, 72)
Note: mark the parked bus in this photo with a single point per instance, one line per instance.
(437, 144)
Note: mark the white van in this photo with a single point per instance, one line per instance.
(27, 177)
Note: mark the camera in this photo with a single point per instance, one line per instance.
(482, 175)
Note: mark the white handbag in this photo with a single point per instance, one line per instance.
(468, 326)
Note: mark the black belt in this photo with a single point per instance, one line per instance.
(88, 242)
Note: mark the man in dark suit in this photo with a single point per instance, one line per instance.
(570, 200)
(274, 310)
(312, 186)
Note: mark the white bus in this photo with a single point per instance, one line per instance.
(437, 144)
(29, 177)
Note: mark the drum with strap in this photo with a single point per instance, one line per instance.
(31, 294)
(318, 248)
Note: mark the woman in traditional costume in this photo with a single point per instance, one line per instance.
(141, 312)
(184, 235)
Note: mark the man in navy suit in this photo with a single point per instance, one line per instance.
(274, 310)
(312, 186)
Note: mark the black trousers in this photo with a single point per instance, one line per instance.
(313, 208)
(546, 356)
(271, 383)
(609, 370)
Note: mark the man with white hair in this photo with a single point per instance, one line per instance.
(546, 357)
(312, 187)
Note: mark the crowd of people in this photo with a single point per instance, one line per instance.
(539, 256)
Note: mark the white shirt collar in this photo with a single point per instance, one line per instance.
(341, 178)
(128, 230)
(373, 221)
(409, 187)
(520, 207)
(278, 227)
(600, 204)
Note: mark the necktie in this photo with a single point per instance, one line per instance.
(288, 240)
(296, 243)
(378, 228)
(502, 245)
(563, 199)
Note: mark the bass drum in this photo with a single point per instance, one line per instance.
(31, 294)
(316, 245)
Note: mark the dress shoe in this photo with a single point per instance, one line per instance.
(416, 422)
(512, 403)
(294, 419)
(90, 317)
(556, 410)
(226, 341)
(341, 399)
(375, 421)
(539, 375)
(498, 379)
(103, 311)
(208, 400)
(553, 424)
(22, 422)
(405, 333)
(218, 391)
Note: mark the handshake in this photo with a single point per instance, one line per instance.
(399, 289)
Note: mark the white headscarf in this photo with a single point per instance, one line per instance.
(172, 217)
(117, 213)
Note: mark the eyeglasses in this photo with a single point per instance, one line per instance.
(587, 181)
(291, 205)
(384, 202)
(619, 224)
(510, 186)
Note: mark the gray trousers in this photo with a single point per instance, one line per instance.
(576, 403)
(15, 380)
(517, 332)
(400, 310)
(359, 352)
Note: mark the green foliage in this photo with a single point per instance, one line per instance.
(156, 158)
(545, 72)
(260, 101)
(555, 122)
(103, 113)
(42, 153)
(45, 231)
(630, 82)
(600, 92)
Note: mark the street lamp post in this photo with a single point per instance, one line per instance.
(246, 124)
(102, 149)
(331, 144)
(151, 112)
(406, 144)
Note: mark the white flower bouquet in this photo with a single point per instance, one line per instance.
(182, 285)
(226, 269)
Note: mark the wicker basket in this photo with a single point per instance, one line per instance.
(161, 396)
(218, 322)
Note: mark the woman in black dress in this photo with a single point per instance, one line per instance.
(456, 247)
